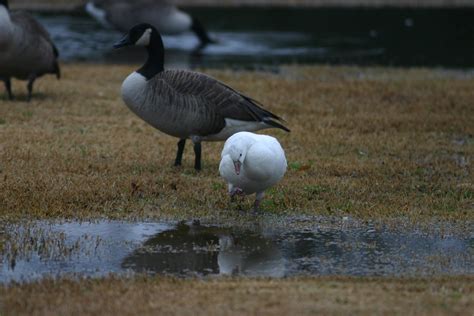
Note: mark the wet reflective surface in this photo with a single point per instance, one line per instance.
(36, 250)
(249, 37)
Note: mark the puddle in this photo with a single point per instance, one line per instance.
(251, 37)
(79, 38)
(37, 250)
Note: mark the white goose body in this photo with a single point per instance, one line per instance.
(262, 163)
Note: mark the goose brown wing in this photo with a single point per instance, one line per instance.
(219, 100)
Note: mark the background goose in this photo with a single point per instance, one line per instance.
(26, 49)
(251, 163)
(163, 14)
(187, 104)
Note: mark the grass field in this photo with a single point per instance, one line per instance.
(370, 143)
(306, 296)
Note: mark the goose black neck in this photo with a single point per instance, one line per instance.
(156, 57)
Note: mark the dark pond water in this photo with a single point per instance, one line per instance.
(36, 250)
(252, 37)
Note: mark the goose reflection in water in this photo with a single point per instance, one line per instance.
(203, 250)
(104, 247)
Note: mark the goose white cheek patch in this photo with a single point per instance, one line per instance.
(144, 40)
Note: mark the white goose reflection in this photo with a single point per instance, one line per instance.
(253, 256)
(195, 249)
(91, 249)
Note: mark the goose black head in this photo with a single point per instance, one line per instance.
(147, 36)
(4, 3)
(139, 35)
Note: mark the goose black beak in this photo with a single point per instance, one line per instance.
(125, 41)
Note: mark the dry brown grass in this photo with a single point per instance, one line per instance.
(372, 143)
(308, 296)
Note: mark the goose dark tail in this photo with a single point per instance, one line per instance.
(276, 124)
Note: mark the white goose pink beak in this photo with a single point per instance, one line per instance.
(237, 167)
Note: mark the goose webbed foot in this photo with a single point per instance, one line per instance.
(179, 154)
(236, 192)
(197, 153)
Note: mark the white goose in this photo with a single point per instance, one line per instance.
(251, 163)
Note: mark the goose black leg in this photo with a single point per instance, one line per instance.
(179, 154)
(197, 153)
(258, 199)
(30, 87)
(8, 87)
(201, 33)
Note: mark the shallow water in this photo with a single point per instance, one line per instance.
(35, 250)
(252, 37)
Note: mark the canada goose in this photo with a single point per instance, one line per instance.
(26, 49)
(163, 14)
(187, 104)
(252, 163)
